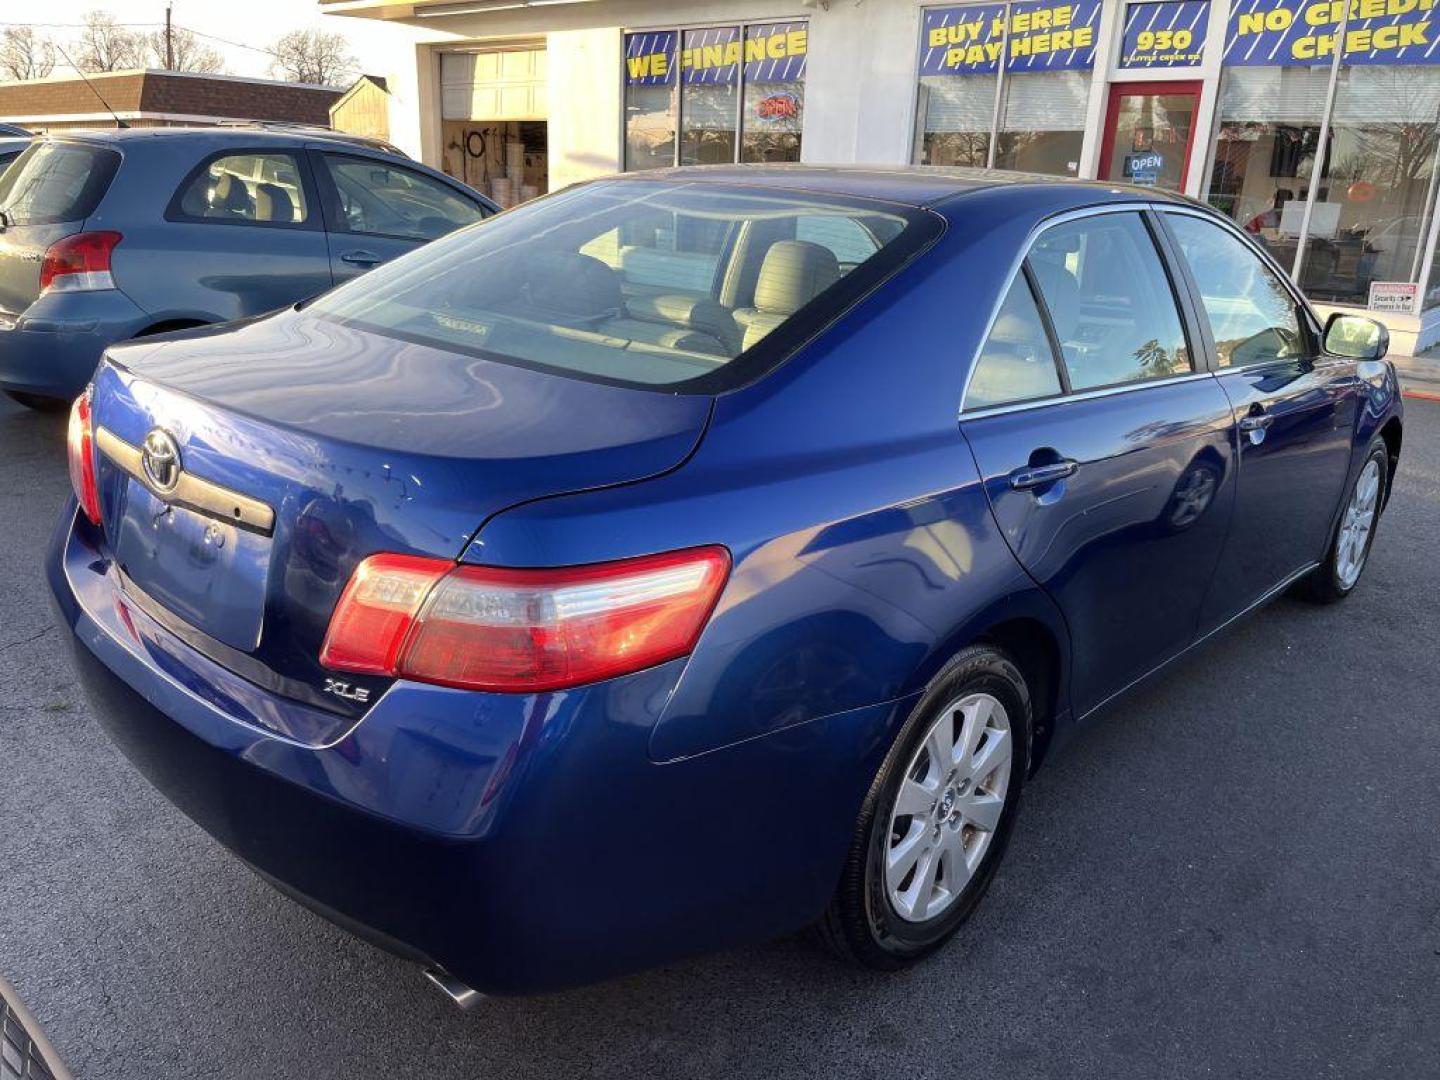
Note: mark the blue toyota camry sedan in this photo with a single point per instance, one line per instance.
(694, 557)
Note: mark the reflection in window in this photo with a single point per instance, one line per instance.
(1252, 315)
(1110, 302)
(1016, 362)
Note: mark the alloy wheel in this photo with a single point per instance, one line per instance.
(949, 807)
(1353, 544)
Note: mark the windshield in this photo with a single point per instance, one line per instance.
(646, 283)
(53, 182)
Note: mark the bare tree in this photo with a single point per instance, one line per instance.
(24, 54)
(313, 56)
(187, 52)
(105, 45)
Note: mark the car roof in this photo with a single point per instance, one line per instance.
(913, 185)
(221, 135)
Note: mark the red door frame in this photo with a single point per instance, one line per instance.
(1120, 90)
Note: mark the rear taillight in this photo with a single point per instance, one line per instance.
(80, 444)
(79, 262)
(487, 628)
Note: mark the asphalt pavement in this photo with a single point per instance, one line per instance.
(1235, 874)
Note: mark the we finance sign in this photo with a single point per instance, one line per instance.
(1027, 35)
(1294, 33)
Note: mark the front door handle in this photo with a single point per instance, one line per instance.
(1034, 476)
(361, 258)
(1257, 419)
(1257, 422)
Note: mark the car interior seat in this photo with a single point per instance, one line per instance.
(794, 273)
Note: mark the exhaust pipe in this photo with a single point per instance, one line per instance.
(465, 997)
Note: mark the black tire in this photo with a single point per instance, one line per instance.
(1324, 584)
(38, 402)
(862, 923)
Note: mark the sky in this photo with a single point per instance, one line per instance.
(246, 26)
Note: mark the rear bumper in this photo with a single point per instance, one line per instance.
(524, 844)
(53, 348)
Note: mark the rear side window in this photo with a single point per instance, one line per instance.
(386, 200)
(1110, 301)
(56, 181)
(1016, 362)
(1252, 314)
(252, 188)
(639, 282)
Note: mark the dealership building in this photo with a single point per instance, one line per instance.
(1315, 124)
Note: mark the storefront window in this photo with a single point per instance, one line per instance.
(954, 120)
(650, 100)
(1269, 129)
(1376, 189)
(1039, 51)
(774, 91)
(710, 64)
(740, 95)
(1043, 124)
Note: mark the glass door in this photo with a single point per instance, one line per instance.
(1149, 131)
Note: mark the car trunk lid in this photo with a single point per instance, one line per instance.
(358, 443)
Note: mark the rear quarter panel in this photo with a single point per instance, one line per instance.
(864, 550)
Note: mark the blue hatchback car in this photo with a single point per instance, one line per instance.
(111, 235)
(693, 557)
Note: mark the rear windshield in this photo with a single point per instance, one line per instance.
(56, 181)
(693, 287)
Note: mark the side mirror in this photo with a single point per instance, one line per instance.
(1356, 337)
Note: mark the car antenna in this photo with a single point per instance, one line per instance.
(113, 115)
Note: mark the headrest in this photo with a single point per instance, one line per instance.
(794, 273)
(229, 193)
(571, 285)
(692, 312)
(273, 203)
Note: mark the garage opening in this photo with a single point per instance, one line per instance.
(495, 111)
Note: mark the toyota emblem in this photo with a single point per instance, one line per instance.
(160, 458)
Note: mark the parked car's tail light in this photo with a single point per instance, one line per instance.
(79, 262)
(80, 446)
(489, 628)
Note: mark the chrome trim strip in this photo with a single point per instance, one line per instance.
(191, 491)
(1083, 395)
(1035, 234)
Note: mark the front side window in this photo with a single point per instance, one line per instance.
(639, 282)
(1252, 315)
(385, 200)
(1016, 362)
(248, 188)
(1110, 301)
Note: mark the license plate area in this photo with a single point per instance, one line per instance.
(206, 571)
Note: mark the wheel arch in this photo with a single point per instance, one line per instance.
(1029, 627)
(1393, 433)
(165, 326)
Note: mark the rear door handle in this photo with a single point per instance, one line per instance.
(1034, 476)
(361, 258)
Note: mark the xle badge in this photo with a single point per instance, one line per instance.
(357, 694)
